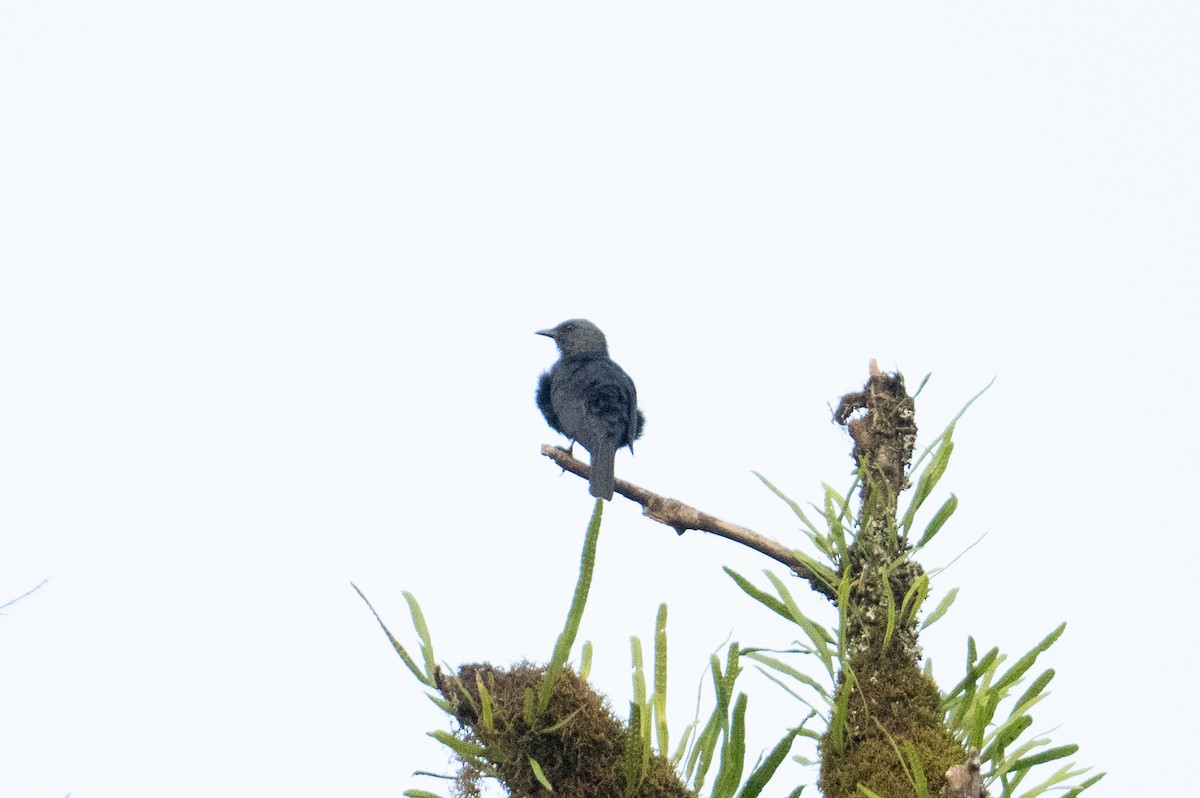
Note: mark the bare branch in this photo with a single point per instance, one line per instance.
(682, 517)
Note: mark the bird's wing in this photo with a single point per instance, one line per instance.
(544, 401)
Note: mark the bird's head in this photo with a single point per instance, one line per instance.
(577, 337)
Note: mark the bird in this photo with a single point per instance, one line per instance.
(590, 399)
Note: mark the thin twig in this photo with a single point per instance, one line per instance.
(682, 517)
(23, 595)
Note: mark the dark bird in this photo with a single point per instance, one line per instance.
(590, 399)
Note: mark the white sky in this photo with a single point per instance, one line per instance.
(269, 276)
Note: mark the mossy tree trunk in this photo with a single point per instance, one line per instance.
(891, 709)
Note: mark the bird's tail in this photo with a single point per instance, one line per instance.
(602, 479)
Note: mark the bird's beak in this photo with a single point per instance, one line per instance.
(548, 333)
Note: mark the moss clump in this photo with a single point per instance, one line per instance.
(578, 742)
(891, 698)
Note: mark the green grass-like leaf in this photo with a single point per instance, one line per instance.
(703, 752)
(890, 625)
(660, 680)
(640, 701)
(706, 744)
(539, 775)
(409, 662)
(909, 762)
(639, 673)
(836, 511)
(759, 595)
(764, 772)
(916, 770)
(965, 689)
(796, 508)
(1074, 793)
(529, 708)
(485, 703)
(566, 640)
(938, 521)
(1004, 736)
(949, 427)
(772, 677)
(839, 542)
(585, 660)
(824, 574)
(914, 599)
(682, 748)
(1034, 694)
(941, 609)
(784, 668)
(1049, 755)
(418, 619)
(1060, 775)
(843, 605)
(465, 750)
(733, 753)
(1014, 674)
(821, 638)
(633, 765)
(929, 479)
(838, 716)
(562, 723)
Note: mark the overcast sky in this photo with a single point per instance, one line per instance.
(269, 277)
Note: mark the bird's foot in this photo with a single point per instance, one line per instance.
(569, 451)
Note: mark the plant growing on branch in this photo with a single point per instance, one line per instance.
(535, 729)
(888, 730)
